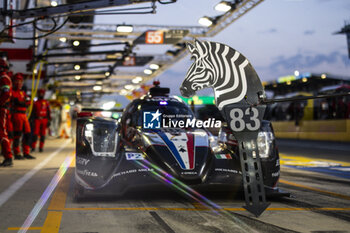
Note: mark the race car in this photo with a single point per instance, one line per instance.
(157, 141)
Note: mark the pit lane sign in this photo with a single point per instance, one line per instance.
(134, 61)
(238, 92)
(154, 37)
(161, 36)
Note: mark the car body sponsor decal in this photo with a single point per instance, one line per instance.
(82, 161)
(189, 173)
(275, 174)
(86, 173)
(182, 148)
(132, 171)
(133, 156)
(227, 170)
(223, 156)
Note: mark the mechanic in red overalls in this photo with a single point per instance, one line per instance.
(42, 117)
(19, 119)
(9, 116)
(5, 96)
(4, 68)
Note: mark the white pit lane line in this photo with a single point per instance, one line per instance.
(10, 191)
(47, 193)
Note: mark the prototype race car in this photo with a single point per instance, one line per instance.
(158, 138)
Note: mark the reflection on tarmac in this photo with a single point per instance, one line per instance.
(330, 167)
(320, 187)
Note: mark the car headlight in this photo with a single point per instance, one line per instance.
(213, 141)
(214, 145)
(265, 142)
(102, 138)
(222, 136)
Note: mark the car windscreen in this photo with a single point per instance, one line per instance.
(168, 109)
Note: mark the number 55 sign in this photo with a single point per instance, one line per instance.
(154, 37)
(161, 36)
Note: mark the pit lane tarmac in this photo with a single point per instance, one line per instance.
(320, 202)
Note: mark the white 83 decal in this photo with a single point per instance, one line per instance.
(238, 124)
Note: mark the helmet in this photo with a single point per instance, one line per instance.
(41, 92)
(4, 64)
(156, 83)
(18, 76)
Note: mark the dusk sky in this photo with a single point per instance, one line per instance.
(277, 36)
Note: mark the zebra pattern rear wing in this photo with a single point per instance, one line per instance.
(238, 93)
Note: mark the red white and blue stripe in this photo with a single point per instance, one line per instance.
(182, 148)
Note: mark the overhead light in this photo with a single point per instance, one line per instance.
(223, 6)
(115, 56)
(323, 76)
(129, 87)
(304, 80)
(296, 73)
(154, 66)
(35, 71)
(108, 105)
(123, 92)
(107, 74)
(124, 28)
(205, 21)
(77, 77)
(97, 88)
(147, 71)
(54, 3)
(76, 43)
(63, 39)
(137, 80)
(77, 67)
(99, 83)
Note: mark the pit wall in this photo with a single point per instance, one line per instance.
(327, 130)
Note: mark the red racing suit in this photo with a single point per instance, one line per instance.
(5, 95)
(9, 125)
(20, 122)
(42, 116)
(9, 117)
